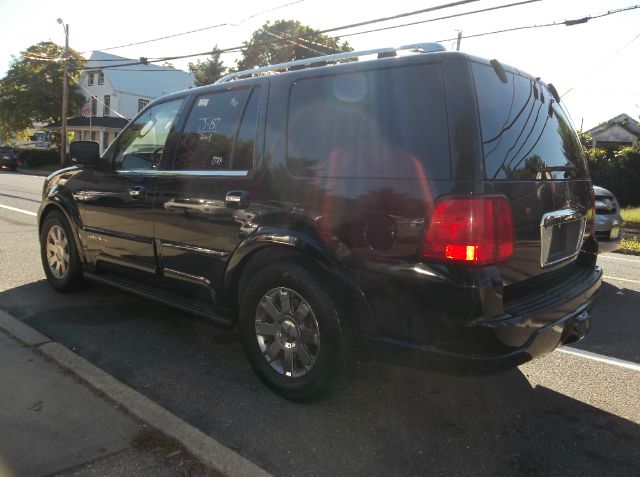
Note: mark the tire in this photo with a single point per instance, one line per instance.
(298, 350)
(59, 254)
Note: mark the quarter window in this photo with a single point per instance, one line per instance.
(141, 145)
(214, 138)
(381, 124)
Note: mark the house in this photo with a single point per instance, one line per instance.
(617, 132)
(115, 93)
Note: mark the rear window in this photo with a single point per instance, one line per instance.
(377, 124)
(525, 132)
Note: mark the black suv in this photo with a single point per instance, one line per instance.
(429, 205)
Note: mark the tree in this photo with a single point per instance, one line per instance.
(31, 92)
(287, 40)
(208, 71)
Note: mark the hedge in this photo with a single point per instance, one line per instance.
(36, 158)
(617, 171)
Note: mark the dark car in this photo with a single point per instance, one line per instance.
(8, 158)
(424, 207)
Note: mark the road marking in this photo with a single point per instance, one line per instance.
(601, 358)
(621, 279)
(22, 211)
(619, 258)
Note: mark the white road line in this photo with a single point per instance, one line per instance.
(621, 363)
(22, 211)
(621, 279)
(619, 258)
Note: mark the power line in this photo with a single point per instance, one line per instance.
(600, 65)
(197, 30)
(400, 15)
(551, 24)
(455, 15)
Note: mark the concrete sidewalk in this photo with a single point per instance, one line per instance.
(51, 423)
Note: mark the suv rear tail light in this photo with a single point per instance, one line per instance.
(472, 230)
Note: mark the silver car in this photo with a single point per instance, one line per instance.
(608, 225)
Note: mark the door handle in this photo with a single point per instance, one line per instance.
(137, 192)
(237, 199)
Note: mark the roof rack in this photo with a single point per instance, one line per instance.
(381, 52)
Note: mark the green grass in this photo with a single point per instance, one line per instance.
(631, 215)
(629, 246)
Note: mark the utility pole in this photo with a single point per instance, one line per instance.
(459, 40)
(65, 95)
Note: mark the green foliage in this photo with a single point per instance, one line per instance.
(208, 71)
(617, 171)
(31, 92)
(36, 158)
(287, 40)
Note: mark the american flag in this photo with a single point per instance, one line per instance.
(86, 109)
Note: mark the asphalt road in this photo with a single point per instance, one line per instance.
(559, 415)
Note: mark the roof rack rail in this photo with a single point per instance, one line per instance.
(416, 47)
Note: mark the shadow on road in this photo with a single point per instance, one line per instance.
(389, 421)
(615, 329)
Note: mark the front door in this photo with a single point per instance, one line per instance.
(116, 198)
(206, 201)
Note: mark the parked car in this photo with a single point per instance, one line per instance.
(609, 222)
(8, 158)
(380, 213)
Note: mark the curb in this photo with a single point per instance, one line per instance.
(209, 451)
(34, 172)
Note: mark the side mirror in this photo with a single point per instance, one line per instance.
(84, 152)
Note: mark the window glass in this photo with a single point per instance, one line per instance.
(90, 79)
(210, 132)
(381, 123)
(245, 145)
(525, 132)
(140, 146)
(142, 103)
(94, 106)
(107, 105)
(100, 77)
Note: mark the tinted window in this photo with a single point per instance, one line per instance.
(525, 132)
(209, 135)
(245, 144)
(382, 123)
(141, 145)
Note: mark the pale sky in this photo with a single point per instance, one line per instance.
(564, 56)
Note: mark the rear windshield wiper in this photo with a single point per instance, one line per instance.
(569, 170)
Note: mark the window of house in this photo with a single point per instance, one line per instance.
(105, 140)
(90, 80)
(107, 105)
(214, 137)
(100, 77)
(94, 106)
(142, 103)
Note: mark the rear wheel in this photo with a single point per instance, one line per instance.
(59, 254)
(292, 333)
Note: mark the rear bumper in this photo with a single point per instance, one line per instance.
(492, 345)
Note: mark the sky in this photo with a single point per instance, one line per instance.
(599, 61)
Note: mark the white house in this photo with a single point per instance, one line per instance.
(115, 91)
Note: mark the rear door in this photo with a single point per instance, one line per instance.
(206, 201)
(532, 156)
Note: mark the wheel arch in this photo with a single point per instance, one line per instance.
(55, 203)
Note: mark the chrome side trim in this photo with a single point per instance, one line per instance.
(562, 216)
(163, 173)
(187, 277)
(193, 248)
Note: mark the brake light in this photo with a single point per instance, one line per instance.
(473, 230)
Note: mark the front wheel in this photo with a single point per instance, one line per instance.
(60, 258)
(292, 333)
